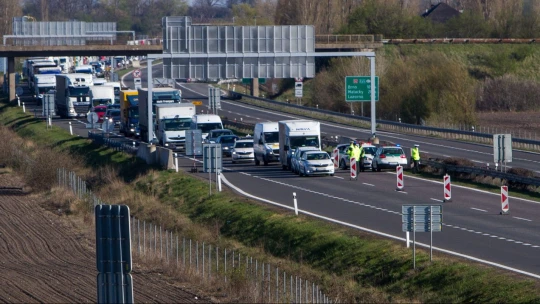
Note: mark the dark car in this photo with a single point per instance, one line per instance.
(227, 143)
(214, 134)
(113, 114)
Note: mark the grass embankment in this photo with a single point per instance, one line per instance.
(352, 266)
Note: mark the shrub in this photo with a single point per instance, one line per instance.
(458, 162)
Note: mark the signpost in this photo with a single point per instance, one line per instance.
(298, 89)
(214, 99)
(212, 162)
(137, 73)
(358, 88)
(502, 149)
(421, 218)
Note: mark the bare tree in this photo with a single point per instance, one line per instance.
(8, 10)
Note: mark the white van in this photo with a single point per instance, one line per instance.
(117, 88)
(206, 122)
(266, 142)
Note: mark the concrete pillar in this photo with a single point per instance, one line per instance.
(255, 87)
(11, 78)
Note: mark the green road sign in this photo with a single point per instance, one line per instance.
(358, 88)
(246, 80)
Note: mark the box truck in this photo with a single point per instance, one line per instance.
(172, 121)
(294, 134)
(129, 113)
(159, 96)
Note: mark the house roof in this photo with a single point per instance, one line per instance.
(441, 13)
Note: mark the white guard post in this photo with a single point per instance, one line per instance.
(399, 178)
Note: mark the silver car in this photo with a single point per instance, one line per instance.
(316, 163)
(389, 157)
(344, 161)
(298, 153)
(242, 150)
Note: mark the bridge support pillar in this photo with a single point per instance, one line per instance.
(11, 78)
(255, 87)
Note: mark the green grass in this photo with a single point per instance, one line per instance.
(358, 266)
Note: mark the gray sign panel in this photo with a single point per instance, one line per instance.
(421, 209)
(502, 148)
(421, 227)
(422, 218)
(212, 160)
(48, 105)
(194, 142)
(113, 239)
(214, 98)
(115, 288)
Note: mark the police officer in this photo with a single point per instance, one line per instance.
(356, 154)
(415, 157)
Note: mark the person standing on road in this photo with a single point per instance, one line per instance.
(362, 155)
(415, 157)
(356, 154)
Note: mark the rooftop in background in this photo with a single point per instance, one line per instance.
(440, 13)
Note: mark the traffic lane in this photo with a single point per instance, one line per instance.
(377, 218)
(480, 154)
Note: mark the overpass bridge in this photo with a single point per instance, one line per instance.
(323, 43)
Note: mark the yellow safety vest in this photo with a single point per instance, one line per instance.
(415, 153)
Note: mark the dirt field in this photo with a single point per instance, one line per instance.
(525, 124)
(46, 258)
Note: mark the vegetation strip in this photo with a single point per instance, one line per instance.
(353, 266)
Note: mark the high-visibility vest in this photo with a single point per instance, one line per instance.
(356, 153)
(415, 153)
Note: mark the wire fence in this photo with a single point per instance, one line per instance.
(262, 281)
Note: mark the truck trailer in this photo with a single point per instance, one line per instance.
(72, 97)
(294, 134)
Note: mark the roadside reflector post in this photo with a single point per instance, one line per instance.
(505, 205)
(447, 189)
(18, 101)
(408, 239)
(218, 180)
(70, 128)
(353, 168)
(23, 108)
(295, 203)
(399, 178)
(176, 162)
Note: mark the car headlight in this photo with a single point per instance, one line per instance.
(225, 148)
(132, 125)
(233, 152)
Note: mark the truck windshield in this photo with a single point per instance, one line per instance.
(134, 112)
(43, 90)
(271, 137)
(207, 127)
(101, 101)
(133, 99)
(304, 141)
(78, 91)
(177, 124)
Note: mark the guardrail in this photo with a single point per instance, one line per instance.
(331, 39)
(486, 138)
(116, 142)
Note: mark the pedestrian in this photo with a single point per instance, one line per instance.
(415, 158)
(356, 154)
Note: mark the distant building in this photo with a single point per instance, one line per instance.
(440, 13)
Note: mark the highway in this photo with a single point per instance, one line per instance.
(472, 223)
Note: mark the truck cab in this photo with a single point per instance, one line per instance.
(206, 123)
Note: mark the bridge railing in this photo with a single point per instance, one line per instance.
(333, 39)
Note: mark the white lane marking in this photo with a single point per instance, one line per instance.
(338, 177)
(437, 200)
(401, 191)
(225, 181)
(371, 185)
(523, 219)
(478, 209)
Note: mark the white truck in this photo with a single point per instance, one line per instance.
(266, 142)
(159, 96)
(102, 95)
(72, 97)
(172, 121)
(42, 84)
(294, 134)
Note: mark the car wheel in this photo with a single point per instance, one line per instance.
(373, 166)
(378, 168)
(257, 162)
(331, 174)
(300, 172)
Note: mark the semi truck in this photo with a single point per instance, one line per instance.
(72, 97)
(294, 134)
(159, 96)
(172, 121)
(129, 113)
(102, 95)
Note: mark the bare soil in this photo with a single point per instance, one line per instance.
(50, 258)
(525, 124)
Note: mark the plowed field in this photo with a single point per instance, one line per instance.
(45, 257)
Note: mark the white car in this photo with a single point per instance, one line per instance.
(316, 163)
(389, 157)
(242, 150)
(298, 153)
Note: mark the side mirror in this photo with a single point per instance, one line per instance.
(286, 148)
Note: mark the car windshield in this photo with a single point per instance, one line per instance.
(207, 127)
(271, 137)
(370, 150)
(115, 113)
(245, 144)
(219, 133)
(392, 151)
(317, 156)
(227, 140)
